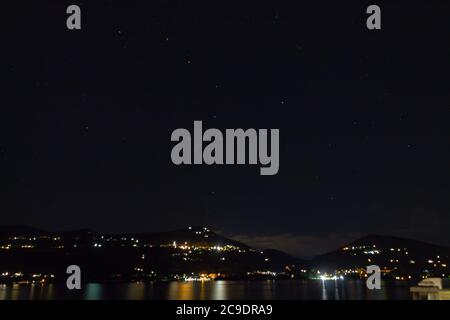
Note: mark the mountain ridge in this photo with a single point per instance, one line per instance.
(182, 234)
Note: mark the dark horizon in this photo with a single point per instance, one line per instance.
(254, 243)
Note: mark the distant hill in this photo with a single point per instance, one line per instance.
(194, 250)
(198, 235)
(400, 255)
(277, 260)
(200, 250)
(10, 231)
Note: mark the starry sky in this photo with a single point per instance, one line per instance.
(86, 118)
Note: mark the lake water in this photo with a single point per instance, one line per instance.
(214, 290)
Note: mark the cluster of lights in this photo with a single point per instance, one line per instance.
(349, 271)
(359, 247)
(327, 276)
(129, 241)
(191, 247)
(399, 250)
(262, 272)
(201, 277)
(403, 278)
(22, 242)
(372, 252)
(334, 277)
(20, 277)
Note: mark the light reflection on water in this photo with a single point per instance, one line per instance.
(213, 290)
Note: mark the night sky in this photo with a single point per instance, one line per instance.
(364, 117)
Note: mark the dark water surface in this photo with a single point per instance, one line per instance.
(214, 290)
